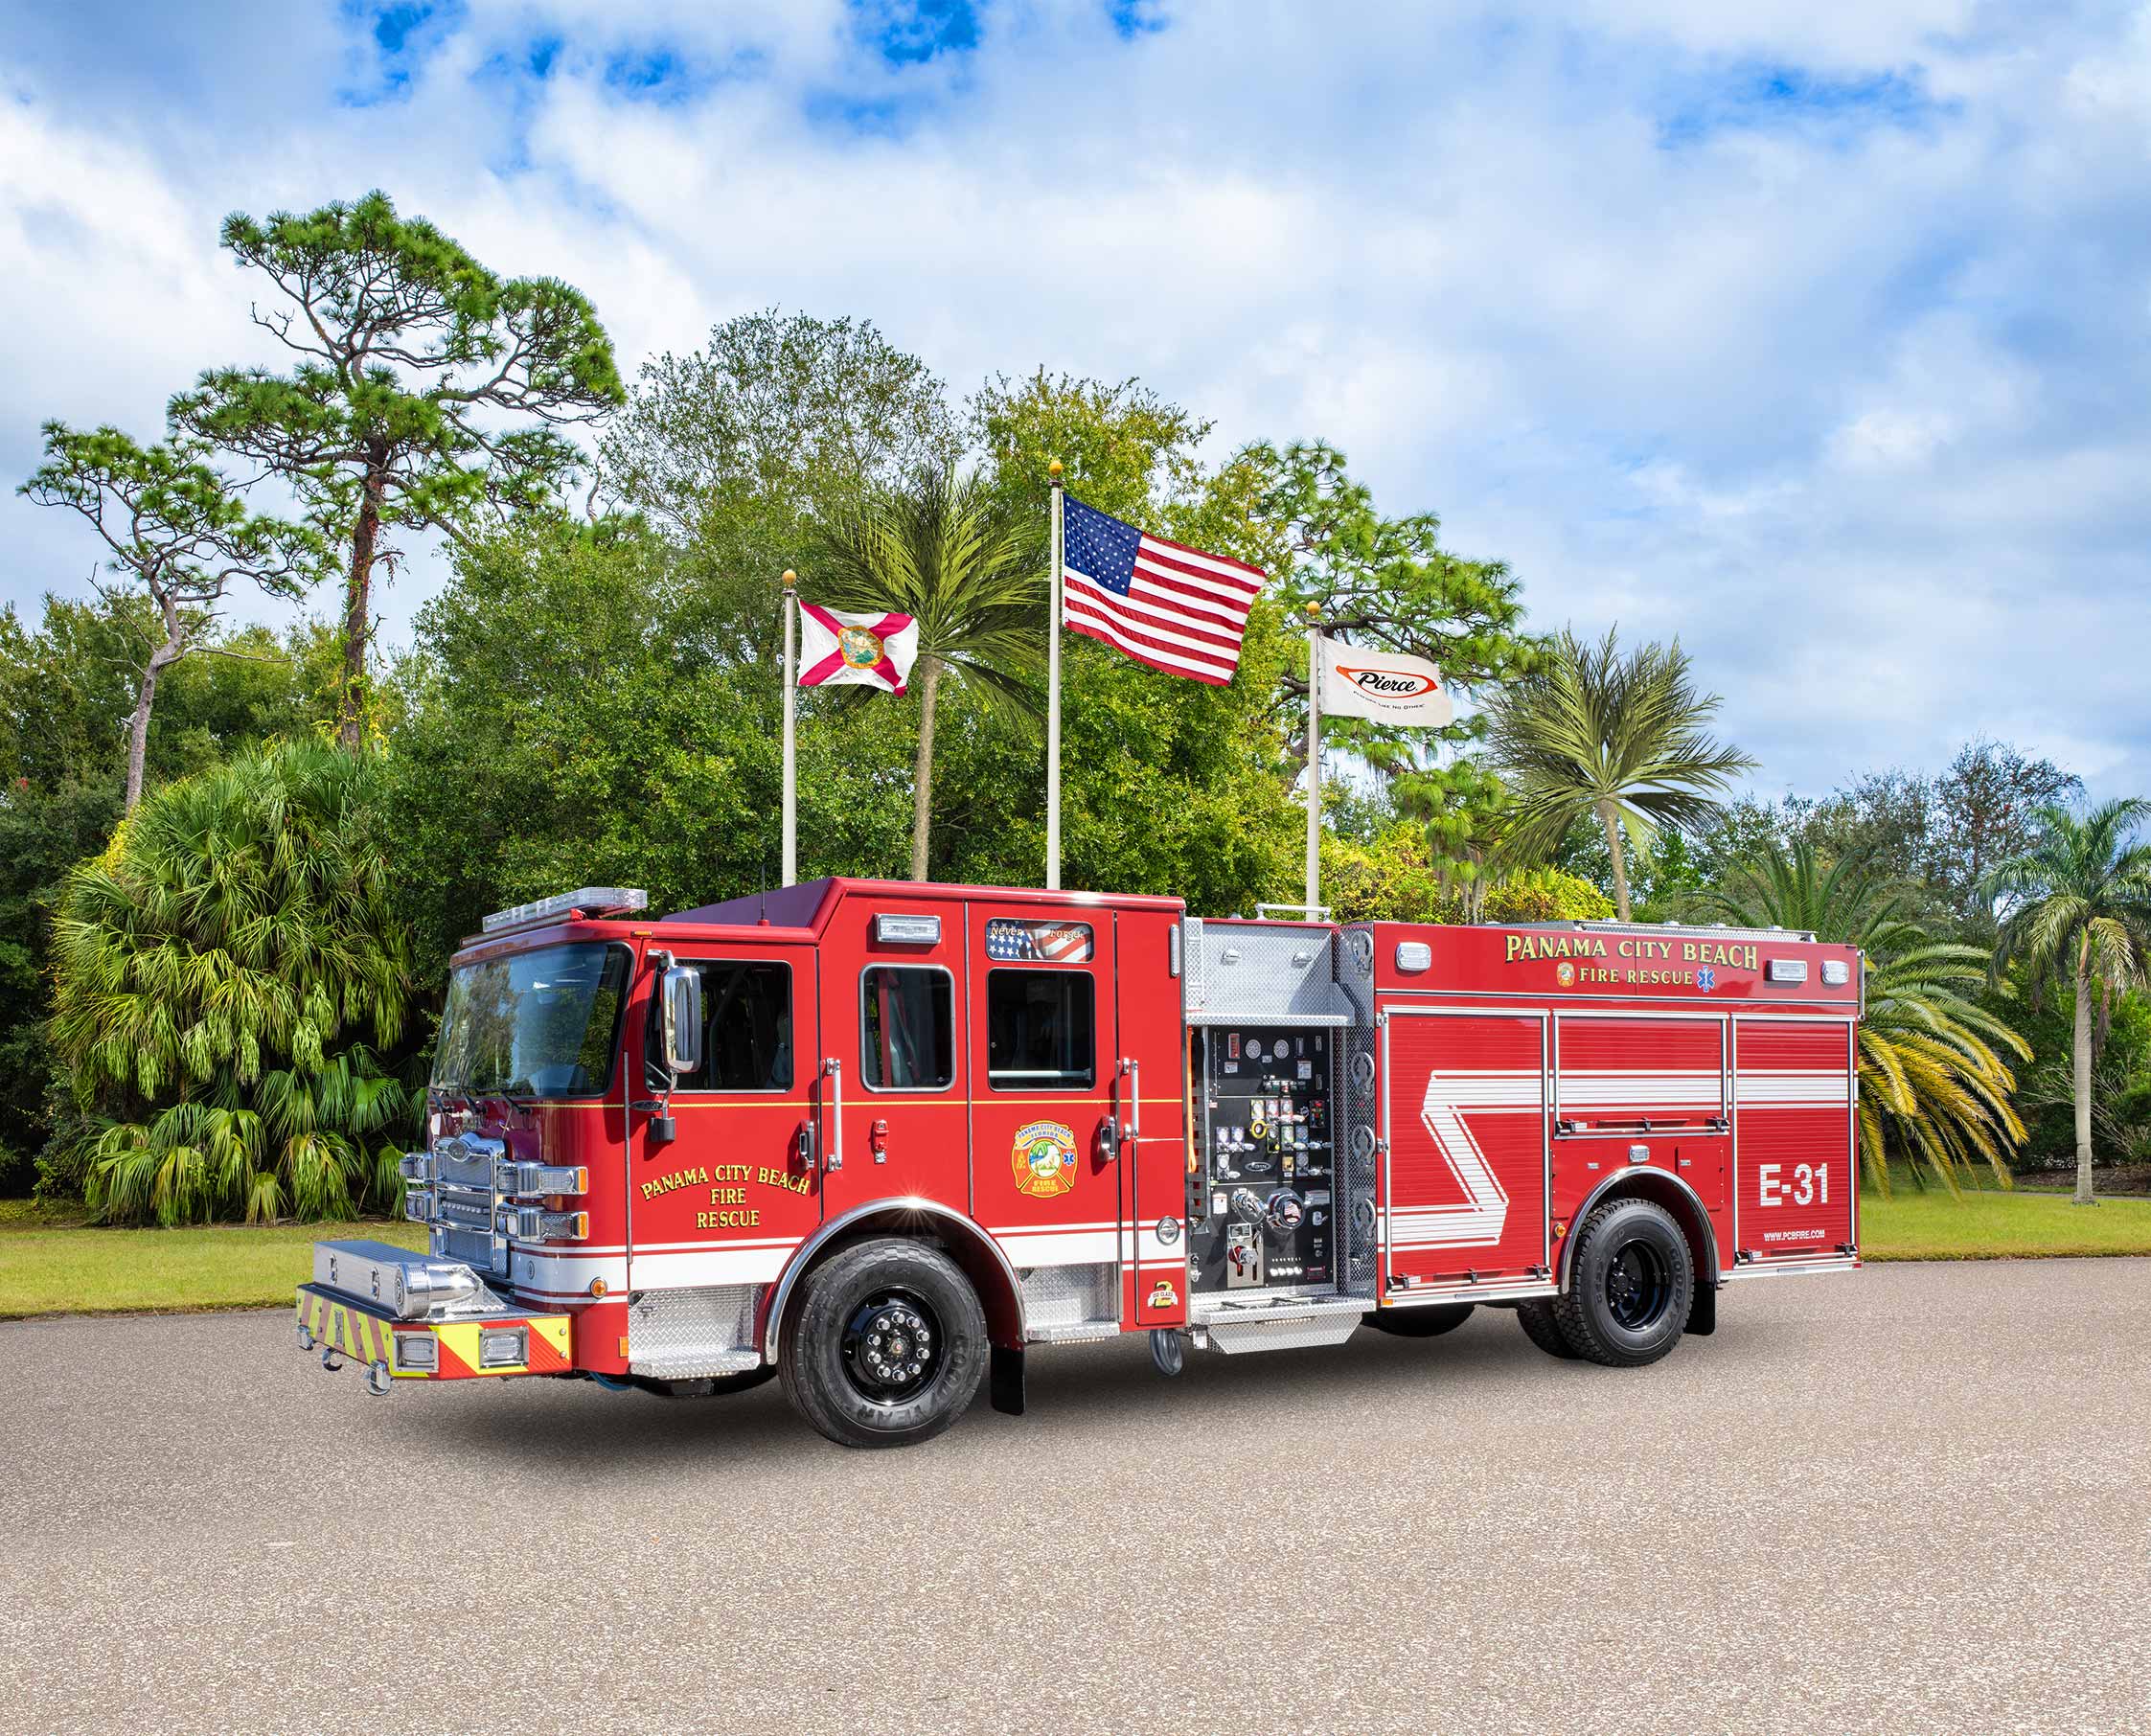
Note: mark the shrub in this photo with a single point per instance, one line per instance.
(217, 971)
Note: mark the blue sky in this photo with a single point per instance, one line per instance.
(1818, 335)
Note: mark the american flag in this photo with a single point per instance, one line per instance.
(1164, 604)
(1011, 940)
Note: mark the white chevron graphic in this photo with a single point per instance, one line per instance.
(1486, 1208)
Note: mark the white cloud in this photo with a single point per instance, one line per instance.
(1815, 335)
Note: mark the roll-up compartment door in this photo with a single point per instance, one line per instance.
(1465, 1174)
(1792, 1152)
(1644, 1091)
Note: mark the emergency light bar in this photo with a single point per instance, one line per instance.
(590, 900)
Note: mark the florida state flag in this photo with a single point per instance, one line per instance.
(837, 649)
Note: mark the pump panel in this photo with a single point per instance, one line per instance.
(1262, 1196)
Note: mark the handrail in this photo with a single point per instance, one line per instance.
(833, 1070)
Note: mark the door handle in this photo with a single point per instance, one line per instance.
(1132, 1131)
(833, 1070)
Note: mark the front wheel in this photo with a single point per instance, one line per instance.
(1631, 1284)
(887, 1345)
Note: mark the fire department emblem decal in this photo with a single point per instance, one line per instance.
(1044, 1160)
(1564, 974)
(859, 647)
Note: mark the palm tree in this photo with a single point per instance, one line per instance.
(944, 550)
(1622, 738)
(1933, 1087)
(214, 971)
(2080, 908)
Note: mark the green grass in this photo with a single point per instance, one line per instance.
(51, 1263)
(1988, 1225)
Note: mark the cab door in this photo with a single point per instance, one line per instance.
(1046, 1111)
(734, 1189)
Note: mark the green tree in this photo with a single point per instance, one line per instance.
(216, 974)
(1933, 1087)
(945, 552)
(1621, 737)
(1167, 786)
(733, 449)
(1396, 877)
(171, 526)
(574, 714)
(2079, 907)
(426, 390)
(1390, 583)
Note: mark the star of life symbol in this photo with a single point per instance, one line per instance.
(1707, 979)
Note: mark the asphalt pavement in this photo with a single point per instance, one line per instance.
(1915, 1498)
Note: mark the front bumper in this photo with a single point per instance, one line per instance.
(411, 1317)
(432, 1350)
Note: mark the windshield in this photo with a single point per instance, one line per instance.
(533, 1024)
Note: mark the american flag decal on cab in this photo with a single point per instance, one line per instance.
(1013, 941)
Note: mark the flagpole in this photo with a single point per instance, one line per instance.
(1053, 699)
(790, 705)
(1314, 758)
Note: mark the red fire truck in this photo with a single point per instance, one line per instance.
(879, 1140)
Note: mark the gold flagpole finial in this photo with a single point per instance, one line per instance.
(1314, 612)
(1053, 468)
(791, 579)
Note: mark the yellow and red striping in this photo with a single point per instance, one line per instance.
(366, 1336)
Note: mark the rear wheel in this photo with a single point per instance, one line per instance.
(1420, 1322)
(1543, 1327)
(1631, 1284)
(887, 1345)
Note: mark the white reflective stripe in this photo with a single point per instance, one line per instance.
(1148, 1249)
(1479, 1219)
(1061, 1247)
(1791, 1090)
(1052, 1229)
(565, 1273)
(676, 1271)
(1505, 1090)
(1599, 1091)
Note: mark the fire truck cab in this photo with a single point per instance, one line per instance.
(881, 1139)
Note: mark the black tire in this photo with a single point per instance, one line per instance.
(886, 1346)
(1428, 1322)
(1543, 1327)
(1631, 1284)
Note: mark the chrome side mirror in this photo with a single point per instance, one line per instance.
(680, 992)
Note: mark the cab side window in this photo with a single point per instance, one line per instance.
(906, 1036)
(1040, 1030)
(747, 1028)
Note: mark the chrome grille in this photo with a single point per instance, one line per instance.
(465, 1203)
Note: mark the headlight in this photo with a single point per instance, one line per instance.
(504, 1347)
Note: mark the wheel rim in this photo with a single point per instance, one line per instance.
(893, 1347)
(1638, 1286)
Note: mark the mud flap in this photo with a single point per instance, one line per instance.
(1702, 1312)
(1004, 1381)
